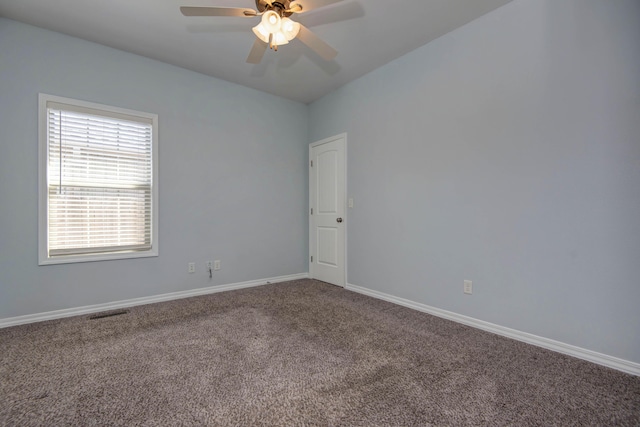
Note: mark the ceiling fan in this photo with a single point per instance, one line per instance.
(275, 27)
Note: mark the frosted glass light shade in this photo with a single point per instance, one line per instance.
(290, 28)
(261, 32)
(271, 21)
(279, 38)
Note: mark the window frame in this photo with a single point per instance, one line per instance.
(43, 193)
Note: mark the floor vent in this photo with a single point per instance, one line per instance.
(108, 314)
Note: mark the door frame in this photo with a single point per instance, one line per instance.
(342, 136)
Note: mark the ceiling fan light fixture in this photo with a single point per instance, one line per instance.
(279, 38)
(290, 28)
(271, 21)
(275, 28)
(261, 32)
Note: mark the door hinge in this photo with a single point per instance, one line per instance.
(311, 258)
(311, 163)
(311, 211)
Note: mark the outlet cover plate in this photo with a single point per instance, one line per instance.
(468, 287)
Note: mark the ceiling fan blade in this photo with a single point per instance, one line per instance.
(308, 5)
(316, 44)
(216, 11)
(296, 8)
(257, 52)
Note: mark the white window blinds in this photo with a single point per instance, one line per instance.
(99, 181)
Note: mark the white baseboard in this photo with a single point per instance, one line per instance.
(560, 347)
(50, 315)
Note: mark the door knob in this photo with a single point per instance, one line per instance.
(339, 219)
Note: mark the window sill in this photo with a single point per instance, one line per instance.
(71, 259)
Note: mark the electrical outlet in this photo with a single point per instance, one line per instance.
(192, 267)
(350, 203)
(216, 264)
(468, 287)
(209, 265)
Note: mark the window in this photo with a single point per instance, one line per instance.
(98, 182)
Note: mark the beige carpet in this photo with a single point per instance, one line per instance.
(296, 353)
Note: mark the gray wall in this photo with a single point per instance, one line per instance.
(232, 178)
(508, 153)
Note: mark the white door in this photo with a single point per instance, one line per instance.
(327, 220)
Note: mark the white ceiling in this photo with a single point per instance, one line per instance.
(366, 33)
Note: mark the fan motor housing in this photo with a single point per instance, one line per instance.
(279, 6)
